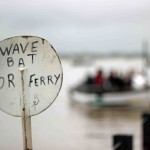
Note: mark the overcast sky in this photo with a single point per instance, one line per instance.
(79, 25)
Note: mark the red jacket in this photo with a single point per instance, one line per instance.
(99, 79)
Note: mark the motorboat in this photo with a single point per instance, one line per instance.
(95, 95)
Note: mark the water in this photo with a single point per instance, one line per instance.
(69, 126)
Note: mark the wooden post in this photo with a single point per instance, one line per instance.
(146, 131)
(26, 119)
(122, 142)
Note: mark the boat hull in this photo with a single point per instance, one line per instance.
(127, 98)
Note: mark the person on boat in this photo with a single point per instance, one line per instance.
(89, 80)
(99, 78)
(116, 81)
(128, 79)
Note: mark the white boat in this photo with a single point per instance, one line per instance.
(136, 97)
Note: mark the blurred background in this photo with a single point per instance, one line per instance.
(88, 35)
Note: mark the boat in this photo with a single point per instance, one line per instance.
(135, 94)
(93, 95)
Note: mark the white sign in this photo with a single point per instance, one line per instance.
(43, 74)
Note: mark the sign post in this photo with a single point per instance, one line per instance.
(26, 119)
(30, 79)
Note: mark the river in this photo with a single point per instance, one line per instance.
(68, 126)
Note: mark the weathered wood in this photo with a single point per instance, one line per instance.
(44, 76)
(26, 119)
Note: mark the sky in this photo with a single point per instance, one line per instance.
(79, 26)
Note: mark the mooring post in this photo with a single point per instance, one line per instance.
(122, 142)
(146, 131)
(26, 118)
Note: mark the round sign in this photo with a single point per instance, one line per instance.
(42, 75)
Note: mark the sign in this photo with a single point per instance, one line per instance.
(43, 74)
